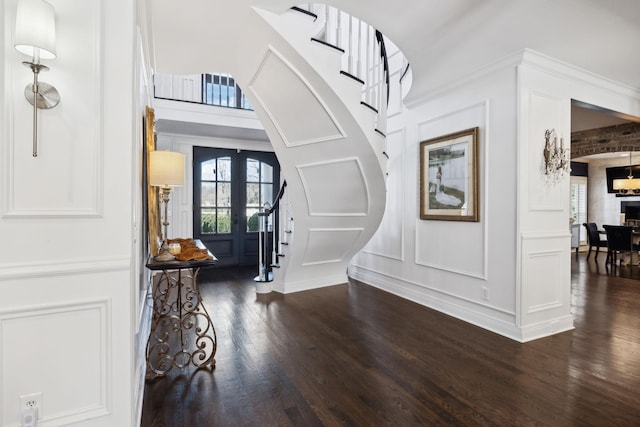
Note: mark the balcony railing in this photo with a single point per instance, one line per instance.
(216, 89)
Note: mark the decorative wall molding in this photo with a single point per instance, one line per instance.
(264, 87)
(482, 111)
(349, 199)
(55, 321)
(64, 267)
(543, 291)
(79, 190)
(544, 258)
(542, 112)
(339, 240)
(566, 71)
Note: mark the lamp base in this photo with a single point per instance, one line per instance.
(164, 256)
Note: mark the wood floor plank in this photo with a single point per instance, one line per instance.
(354, 355)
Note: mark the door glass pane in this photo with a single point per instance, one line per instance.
(253, 197)
(215, 193)
(267, 193)
(208, 194)
(208, 170)
(259, 190)
(224, 194)
(253, 170)
(266, 174)
(224, 221)
(208, 221)
(224, 169)
(252, 220)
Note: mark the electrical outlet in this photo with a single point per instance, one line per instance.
(485, 293)
(31, 401)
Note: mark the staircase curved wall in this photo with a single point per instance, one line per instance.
(325, 140)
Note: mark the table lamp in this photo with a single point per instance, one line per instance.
(166, 170)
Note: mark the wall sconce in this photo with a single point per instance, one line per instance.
(556, 157)
(36, 37)
(166, 170)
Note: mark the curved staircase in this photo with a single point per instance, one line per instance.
(324, 136)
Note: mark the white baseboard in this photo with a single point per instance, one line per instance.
(493, 319)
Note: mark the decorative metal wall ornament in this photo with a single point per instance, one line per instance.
(557, 162)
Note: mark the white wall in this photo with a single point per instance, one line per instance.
(509, 272)
(67, 308)
(448, 265)
(603, 207)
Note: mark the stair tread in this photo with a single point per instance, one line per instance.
(369, 106)
(306, 12)
(359, 80)
(324, 43)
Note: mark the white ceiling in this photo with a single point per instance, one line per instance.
(446, 40)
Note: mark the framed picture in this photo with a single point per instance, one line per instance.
(153, 206)
(449, 177)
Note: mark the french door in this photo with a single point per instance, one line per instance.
(229, 186)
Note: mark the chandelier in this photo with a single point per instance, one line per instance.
(628, 184)
(556, 157)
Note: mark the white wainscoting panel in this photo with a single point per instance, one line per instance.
(544, 272)
(324, 243)
(544, 296)
(267, 84)
(456, 246)
(70, 135)
(77, 387)
(545, 112)
(349, 195)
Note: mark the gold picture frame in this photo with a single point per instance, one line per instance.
(449, 177)
(153, 207)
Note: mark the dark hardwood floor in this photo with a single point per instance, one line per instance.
(356, 356)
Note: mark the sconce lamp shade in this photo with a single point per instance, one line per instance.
(166, 169)
(36, 28)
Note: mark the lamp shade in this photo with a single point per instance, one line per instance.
(166, 169)
(36, 28)
(626, 184)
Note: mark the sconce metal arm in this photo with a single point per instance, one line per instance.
(40, 95)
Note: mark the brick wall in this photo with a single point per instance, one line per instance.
(623, 137)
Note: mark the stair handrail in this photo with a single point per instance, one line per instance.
(276, 201)
(365, 55)
(385, 60)
(266, 211)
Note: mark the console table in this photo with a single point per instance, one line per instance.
(182, 332)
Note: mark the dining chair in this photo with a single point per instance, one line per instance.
(619, 240)
(593, 238)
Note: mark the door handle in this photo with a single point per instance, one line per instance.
(235, 219)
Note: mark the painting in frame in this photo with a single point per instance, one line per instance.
(449, 177)
(153, 202)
